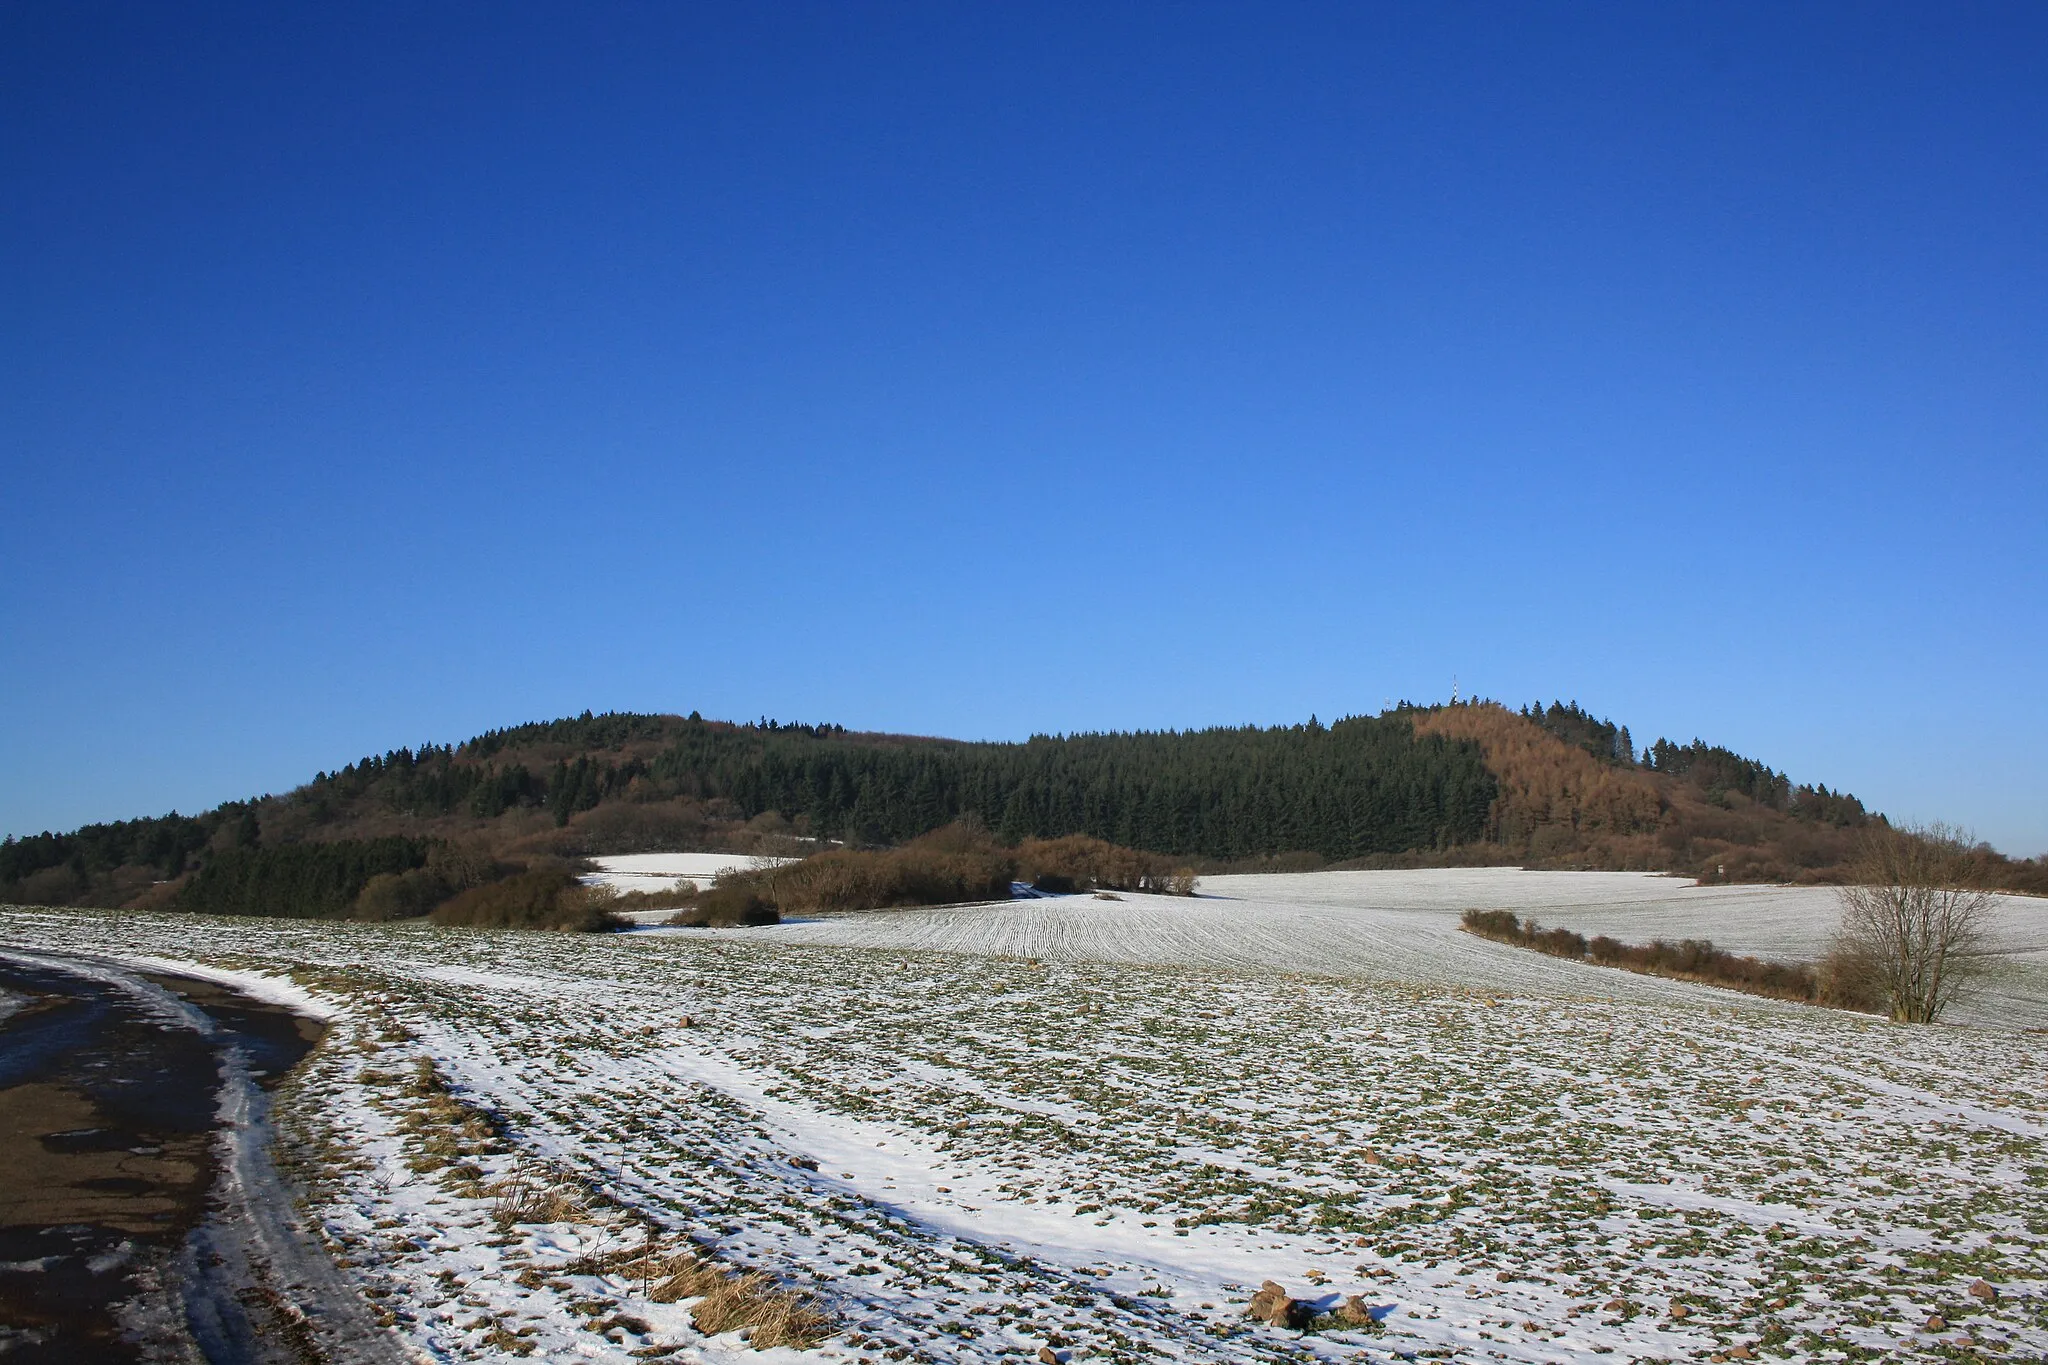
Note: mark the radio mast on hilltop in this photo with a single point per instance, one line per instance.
(1454, 689)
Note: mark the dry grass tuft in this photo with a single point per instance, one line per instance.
(534, 1194)
(773, 1316)
(684, 1277)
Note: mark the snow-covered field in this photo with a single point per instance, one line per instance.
(662, 871)
(1096, 1126)
(1403, 926)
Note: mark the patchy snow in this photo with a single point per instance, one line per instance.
(1097, 1125)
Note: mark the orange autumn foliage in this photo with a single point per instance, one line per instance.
(1554, 797)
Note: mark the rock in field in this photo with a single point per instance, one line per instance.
(1273, 1304)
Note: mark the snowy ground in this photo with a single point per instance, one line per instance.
(1403, 926)
(1095, 1126)
(662, 871)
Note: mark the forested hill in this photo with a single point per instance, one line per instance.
(622, 783)
(1470, 783)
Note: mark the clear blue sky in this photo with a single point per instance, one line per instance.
(376, 374)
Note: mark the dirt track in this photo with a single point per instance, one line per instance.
(140, 1220)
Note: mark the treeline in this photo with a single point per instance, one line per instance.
(1686, 960)
(617, 729)
(432, 781)
(1717, 772)
(1359, 786)
(300, 881)
(394, 878)
(1711, 769)
(1577, 727)
(612, 730)
(164, 845)
(1475, 783)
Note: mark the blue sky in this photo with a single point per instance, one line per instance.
(382, 374)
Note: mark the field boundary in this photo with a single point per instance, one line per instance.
(1696, 960)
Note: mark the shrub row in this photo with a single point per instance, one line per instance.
(1505, 927)
(1692, 959)
(1080, 863)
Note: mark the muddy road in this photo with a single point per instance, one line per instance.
(140, 1218)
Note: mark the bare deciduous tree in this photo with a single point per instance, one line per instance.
(1912, 930)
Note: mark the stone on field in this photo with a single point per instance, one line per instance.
(1274, 1305)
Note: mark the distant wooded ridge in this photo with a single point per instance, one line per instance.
(1470, 783)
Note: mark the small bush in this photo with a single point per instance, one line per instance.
(400, 895)
(1849, 980)
(1557, 942)
(1505, 926)
(544, 898)
(729, 905)
(1498, 924)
